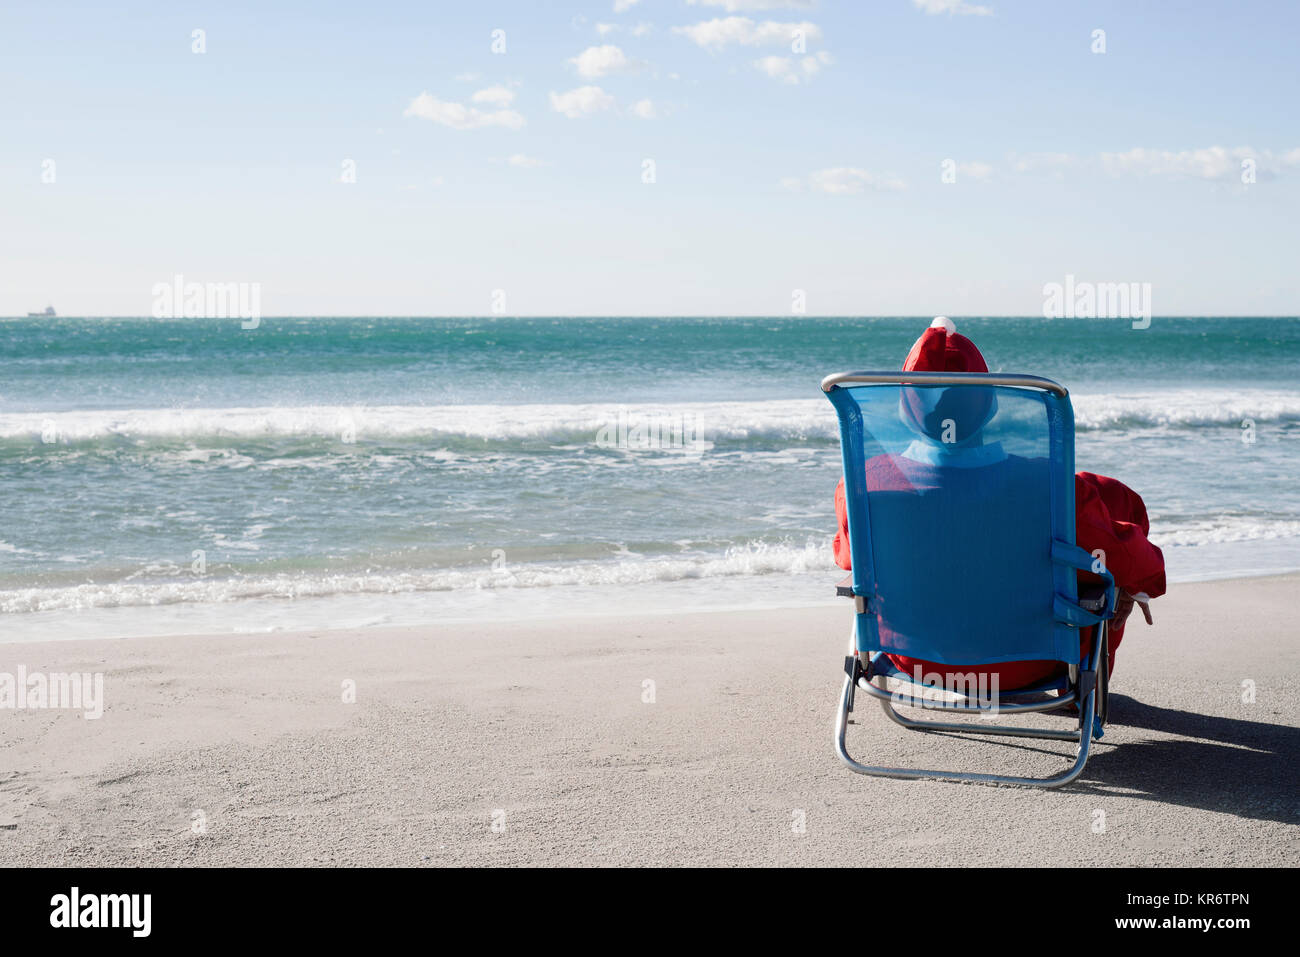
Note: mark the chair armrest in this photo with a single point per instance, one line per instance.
(1092, 597)
(1077, 558)
(844, 587)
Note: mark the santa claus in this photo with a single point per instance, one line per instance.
(1110, 520)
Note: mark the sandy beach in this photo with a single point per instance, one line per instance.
(544, 744)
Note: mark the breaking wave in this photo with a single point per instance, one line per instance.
(779, 419)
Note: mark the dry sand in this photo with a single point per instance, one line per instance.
(542, 730)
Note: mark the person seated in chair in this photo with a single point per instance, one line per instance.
(948, 423)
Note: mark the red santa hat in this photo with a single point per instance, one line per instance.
(941, 349)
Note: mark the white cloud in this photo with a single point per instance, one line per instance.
(1213, 162)
(580, 102)
(792, 184)
(644, 109)
(1042, 162)
(786, 70)
(778, 68)
(524, 161)
(720, 32)
(735, 6)
(460, 117)
(813, 63)
(603, 61)
(640, 30)
(950, 7)
(466, 77)
(847, 180)
(495, 95)
(1208, 163)
(974, 170)
(622, 6)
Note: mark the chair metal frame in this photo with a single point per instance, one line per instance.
(1086, 688)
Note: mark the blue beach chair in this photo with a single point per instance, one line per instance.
(959, 490)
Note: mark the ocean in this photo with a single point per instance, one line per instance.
(188, 475)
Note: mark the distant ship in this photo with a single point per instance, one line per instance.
(49, 311)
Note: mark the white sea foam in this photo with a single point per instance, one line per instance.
(1183, 407)
(751, 560)
(483, 422)
(777, 418)
(1222, 531)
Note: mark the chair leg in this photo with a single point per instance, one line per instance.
(1085, 740)
(1103, 672)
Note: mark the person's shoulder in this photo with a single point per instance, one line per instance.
(883, 472)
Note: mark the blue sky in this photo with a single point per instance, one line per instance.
(774, 169)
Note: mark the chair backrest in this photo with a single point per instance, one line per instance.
(960, 494)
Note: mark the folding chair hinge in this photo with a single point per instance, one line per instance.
(860, 604)
(1087, 681)
(852, 668)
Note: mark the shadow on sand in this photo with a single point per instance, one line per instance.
(1246, 768)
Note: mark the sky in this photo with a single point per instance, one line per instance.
(656, 157)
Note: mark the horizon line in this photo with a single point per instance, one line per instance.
(597, 315)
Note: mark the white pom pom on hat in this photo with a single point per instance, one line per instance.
(944, 323)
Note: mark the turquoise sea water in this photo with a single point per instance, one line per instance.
(188, 474)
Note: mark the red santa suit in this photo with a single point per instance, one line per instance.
(1108, 515)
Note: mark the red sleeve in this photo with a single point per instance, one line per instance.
(1112, 517)
(842, 556)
